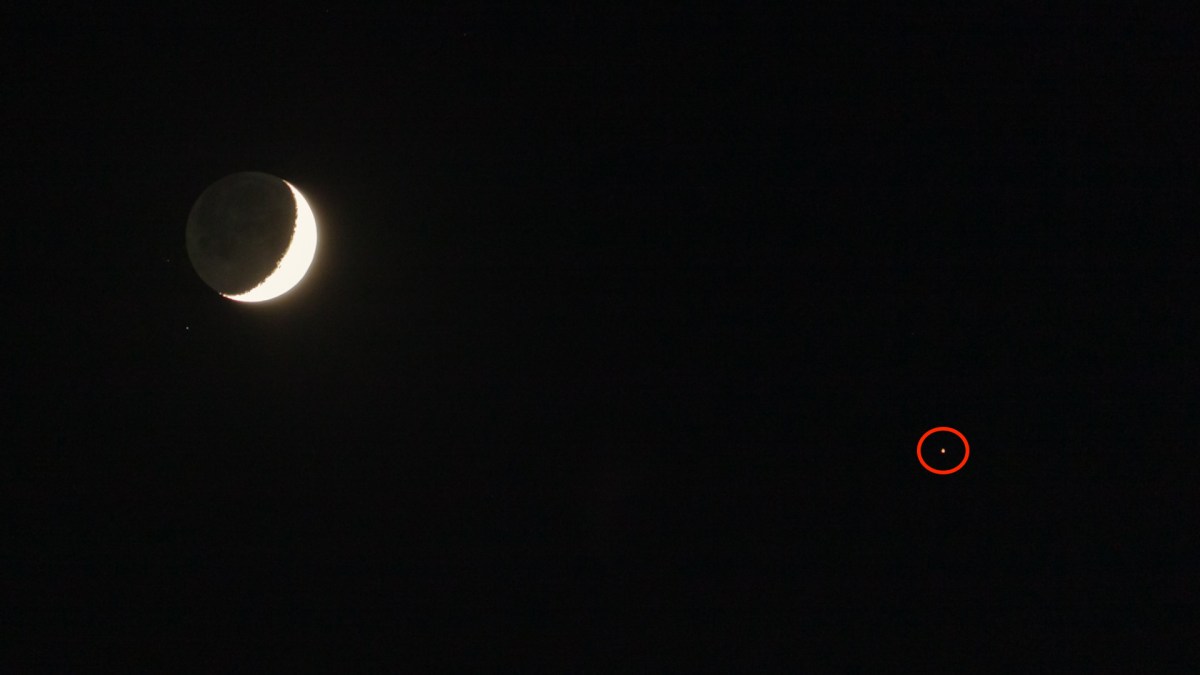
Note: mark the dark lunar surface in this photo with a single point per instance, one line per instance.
(239, 230)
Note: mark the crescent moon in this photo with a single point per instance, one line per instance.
(295, 261)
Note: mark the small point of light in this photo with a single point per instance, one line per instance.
(943, 451)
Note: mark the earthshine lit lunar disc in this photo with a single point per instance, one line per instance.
(251, 236)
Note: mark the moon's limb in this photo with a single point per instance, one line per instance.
(295, 262)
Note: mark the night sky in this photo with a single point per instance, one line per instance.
(619, 339)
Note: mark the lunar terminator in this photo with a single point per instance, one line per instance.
(251, 236)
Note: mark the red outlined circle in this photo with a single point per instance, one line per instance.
(966, 450)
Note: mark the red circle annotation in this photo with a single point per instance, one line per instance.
(943, 472)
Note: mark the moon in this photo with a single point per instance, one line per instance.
(251, 236)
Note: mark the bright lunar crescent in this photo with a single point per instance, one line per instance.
(251, 236)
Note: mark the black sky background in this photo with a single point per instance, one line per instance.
(620, 335)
